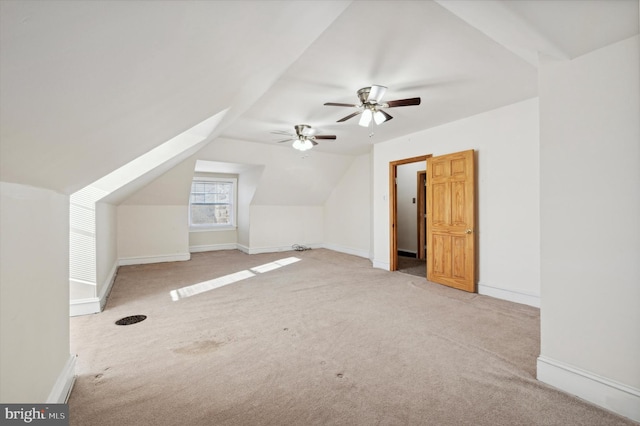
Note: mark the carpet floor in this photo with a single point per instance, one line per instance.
(309, 338)
(412, 266)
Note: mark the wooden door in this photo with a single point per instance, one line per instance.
(451, 220)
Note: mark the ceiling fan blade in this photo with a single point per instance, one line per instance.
(376, 93)
(340, 104)
(313, 142)
(349, 116)
(324, 137)
(402, 102)
(285, 140)
(282, 132)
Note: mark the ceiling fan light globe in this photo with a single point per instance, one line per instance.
(379, 117)
(306, 145)
(376, 93)
(365, 118)
(302, 144)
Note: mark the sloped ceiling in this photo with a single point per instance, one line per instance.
(577, 28)
(461, 57)
(88, 86)
(416, 49)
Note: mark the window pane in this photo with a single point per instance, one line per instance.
(211, 203)
(203, 214)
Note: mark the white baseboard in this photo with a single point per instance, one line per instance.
(78, 307)
(272, 249)
(141, 260)
(347, 250)
(106, 287)
(212, 247)
(381, 265)
(62, 387)
(608, 394)
(94, 305)
(510, 295)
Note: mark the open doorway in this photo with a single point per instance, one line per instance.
(407, 212)
(421, 219)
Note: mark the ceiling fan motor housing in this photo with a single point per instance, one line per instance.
(302, 128)
(363, 94)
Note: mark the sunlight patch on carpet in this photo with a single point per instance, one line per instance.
(199, 288)
(205, 286)
(275, 265)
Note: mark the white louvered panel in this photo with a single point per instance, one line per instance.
(82, 257)
(82, 239)
(82, 218)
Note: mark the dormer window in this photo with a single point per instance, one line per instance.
(212, 203)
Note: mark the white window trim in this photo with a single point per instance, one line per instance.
(234, 208)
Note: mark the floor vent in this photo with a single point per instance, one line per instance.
(131, 320)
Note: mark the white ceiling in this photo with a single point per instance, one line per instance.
(414, 48)
(88, 86)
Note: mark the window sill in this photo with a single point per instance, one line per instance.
(212, 228)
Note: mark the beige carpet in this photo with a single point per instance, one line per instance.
(327, 340)
(412, 266)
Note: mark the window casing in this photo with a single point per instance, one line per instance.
(212, 203)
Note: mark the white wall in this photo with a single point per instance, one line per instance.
(152, 233)
(276, 228)
(507, 145)
(212, 240)
(281, 195)
(590, 226)
(106, 246)
(276, 178)
(407, 192)
(34, 294)
(281, 202)
(347, 211)
(247, 184)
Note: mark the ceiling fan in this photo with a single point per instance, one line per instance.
(303, 139)
(370, 106)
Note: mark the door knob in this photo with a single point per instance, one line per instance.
(468, 231)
